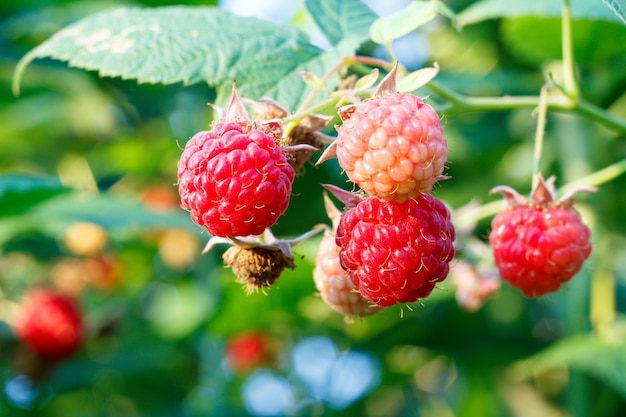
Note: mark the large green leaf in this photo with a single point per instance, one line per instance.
(492, 9)
(341, 19)
(180, 44)
(20, 193)
(604, 360)
(618, 7)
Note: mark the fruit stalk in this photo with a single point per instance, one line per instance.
(542, 113)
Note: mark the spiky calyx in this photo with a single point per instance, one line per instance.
(258, 261)
(541, 243)
(257, 268)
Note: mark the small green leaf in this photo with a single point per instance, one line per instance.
(618, 7)
(341, 19)
(417, 14)
(367, 81)
(312, 81)
(21, 193)
(493, 9)
(417, 79)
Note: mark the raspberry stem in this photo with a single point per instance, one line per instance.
(567, 52)
(542, 111)
(459, 103)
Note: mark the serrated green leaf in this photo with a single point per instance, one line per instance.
(618, 7)
(416, 79)
(493, 9)
(605, 361)
(415, 15)
(180, 44)
(20, 193)
(341, 19)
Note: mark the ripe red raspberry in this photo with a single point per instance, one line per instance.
(538, 246)
(332, 281)
(396, 252)
(49, 324)
(234, 179)
(392, 145)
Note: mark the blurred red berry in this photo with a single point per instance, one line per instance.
(49, 323)
(247, 351)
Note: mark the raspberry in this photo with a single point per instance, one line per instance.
(334, 284)
(541, 244)
(392, 145)
(248, 350)
(49, 324)
(234, 179)
(331, 280)
(396, 252)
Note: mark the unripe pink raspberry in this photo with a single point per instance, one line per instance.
(396, 252)
(49, 323)
(332, 281)
(392, 145)
(541, 244)
(234, 179)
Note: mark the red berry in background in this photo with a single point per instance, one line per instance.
(234, 179)
(392, 145)
(49, 324)
(332, 281)
(396, 252)
(541, 244)
(248, 350)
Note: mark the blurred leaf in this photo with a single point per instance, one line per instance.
(618, 7)
(19, 193)
(537, 40)
(341, 19)
(603, 360)
(179, 44)
(417, 14)
(493, 9)
(112, 212)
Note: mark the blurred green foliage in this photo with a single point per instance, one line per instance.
(76, 148)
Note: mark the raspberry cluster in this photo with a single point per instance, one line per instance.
(395, 239)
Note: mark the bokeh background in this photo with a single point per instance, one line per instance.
(173, 334)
